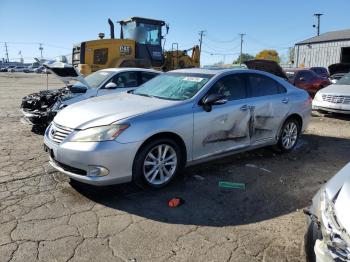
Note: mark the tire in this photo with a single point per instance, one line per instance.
(312, 234)
(289, 135)
(153, 170)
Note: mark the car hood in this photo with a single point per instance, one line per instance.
(64, 72)
(107, 109)
(339, 187)
(266, 65)
(336, 90)
(338, 68)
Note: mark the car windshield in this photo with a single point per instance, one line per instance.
(345, 80)
(97, 78)
(173, 86)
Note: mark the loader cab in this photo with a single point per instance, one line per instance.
(147, 34)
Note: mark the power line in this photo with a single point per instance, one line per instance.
(219, 49)
(222, 41)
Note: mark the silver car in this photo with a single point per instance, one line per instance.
(334, 98)
(328, 235)
(176, 119)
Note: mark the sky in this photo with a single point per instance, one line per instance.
(267, 24)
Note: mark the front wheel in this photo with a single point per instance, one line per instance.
(157, 163)
(289, 135)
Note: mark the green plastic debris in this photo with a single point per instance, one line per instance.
(230, 185)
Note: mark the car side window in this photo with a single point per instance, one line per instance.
(260, 85)
(233, 87)
(125, 79)
(146, 76)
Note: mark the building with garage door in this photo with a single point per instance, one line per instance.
(323, 50)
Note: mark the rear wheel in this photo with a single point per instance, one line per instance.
(157, 163)
(289, 135)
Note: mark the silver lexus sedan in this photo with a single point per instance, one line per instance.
(176, 119)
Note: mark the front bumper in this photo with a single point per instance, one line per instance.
(75, 159)
(330, 107)
(322, 252)
(40, 118)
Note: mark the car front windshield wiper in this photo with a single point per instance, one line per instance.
(140, 94)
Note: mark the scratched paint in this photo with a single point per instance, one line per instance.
(255, 121)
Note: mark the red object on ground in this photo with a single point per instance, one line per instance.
(175, 202)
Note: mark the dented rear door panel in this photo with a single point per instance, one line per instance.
(267, 114)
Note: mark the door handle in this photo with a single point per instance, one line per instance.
(285, 100)
(244, 108)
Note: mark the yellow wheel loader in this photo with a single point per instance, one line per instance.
(140, 45)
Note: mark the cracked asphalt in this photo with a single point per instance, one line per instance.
(45, 217)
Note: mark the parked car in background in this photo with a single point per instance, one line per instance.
(335, 97)
(321, 71)
(17, 69)
(337, 71)
(30, 69)
(307, 79)
(6, 68)
(40, 108)
(179, 118)
(328, 234)
(39, 70)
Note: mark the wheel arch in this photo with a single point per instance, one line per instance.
(296, 116)
(172, 136)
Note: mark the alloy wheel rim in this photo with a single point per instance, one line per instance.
(160, 164)
(289, 135)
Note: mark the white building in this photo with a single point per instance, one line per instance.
(323, 50)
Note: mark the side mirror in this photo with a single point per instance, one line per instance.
(78, 89)
(302, 78)
(213, 99)
(111, 85)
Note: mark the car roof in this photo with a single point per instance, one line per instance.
(126, 69)
(296, 69)
(207, 71)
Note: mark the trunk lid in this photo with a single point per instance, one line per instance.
(339, 68)
(268, 66)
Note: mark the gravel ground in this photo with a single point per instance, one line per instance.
(45, 217)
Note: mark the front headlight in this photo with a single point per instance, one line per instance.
(99, 133)
(318, 97)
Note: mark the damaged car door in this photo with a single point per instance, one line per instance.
(225, 125)
(268, 106)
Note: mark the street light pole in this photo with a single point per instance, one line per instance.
(201, 34)
(318, 23)
(240, 56)
(41, 48)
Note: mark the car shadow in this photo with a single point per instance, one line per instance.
(332, 115)
(276, 184)
(38, 130)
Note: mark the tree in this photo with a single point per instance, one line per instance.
(245, 57)
(268, 55)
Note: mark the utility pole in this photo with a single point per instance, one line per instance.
(201, 34)
(318, 23)
(240, 56)
(7, 53)
(41, 48)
